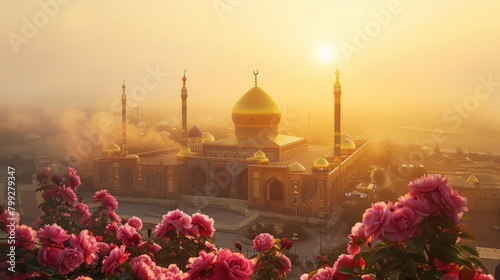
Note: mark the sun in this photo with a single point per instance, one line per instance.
(324, 54)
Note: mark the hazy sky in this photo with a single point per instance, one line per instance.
(416, 59)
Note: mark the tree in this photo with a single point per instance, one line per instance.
(379, 177)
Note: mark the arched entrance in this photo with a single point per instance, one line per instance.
(275, 195)
(198, 178)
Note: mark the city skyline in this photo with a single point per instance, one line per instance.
(425, 65)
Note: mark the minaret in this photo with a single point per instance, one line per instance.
(337, 92)
(184, 96)
(124, 121)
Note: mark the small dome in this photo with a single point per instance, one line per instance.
(111, 149)
(473, 179)
(132, 156)
(194, 132)
(296, 167)
(321, 164)
(360, 138)
(259, 155)
(345, 136)
(207, 137)
(184, 151)
(347, 145)
(141, 125)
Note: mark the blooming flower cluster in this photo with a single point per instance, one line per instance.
(415, 237)
(68, 241)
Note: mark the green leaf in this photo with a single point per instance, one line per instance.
(383, 254)
(416, 244)
(470, 250)
(48, 270)
(464, 233)
(418, 258)
(447, 238)
(346, 270)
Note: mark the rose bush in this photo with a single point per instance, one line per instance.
(413, 238)
(69, 242)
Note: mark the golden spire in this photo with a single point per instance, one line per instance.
(123, 85)
(256, 72)
(184, 79)
(337, 72)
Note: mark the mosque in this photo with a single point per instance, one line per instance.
(257, 167)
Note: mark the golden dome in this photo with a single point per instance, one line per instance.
(256, 108)
(207, 137)
(296, 167)
(131, 156)
(111, 149)
(321, 164)
(473, 179)
(184, 151)
(259, 155)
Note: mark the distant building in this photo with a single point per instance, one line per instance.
(257, 167)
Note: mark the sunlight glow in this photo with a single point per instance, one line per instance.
(324, 53)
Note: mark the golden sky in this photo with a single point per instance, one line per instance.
(415, 59)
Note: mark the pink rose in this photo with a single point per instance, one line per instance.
(111, 264)
(25, 237)
(50, 193)
(149, 246)
(135, 222)
(200, 265)
(111, 228)
(83, 278)
(203, 225)
(177, 220)
(263, 242)
(67, 194)
(68, 260)
(368, 277)
(427, 183)
(113, 216)
(403, 224)
(82, 210)
(74, 179)
(450, 202)
(357, 233)
(47, 255)
(172, 272)
(52, 234)
(345, 261)
(417, 203)
(128, 235)
(86, 244)
(376, 218)
(106, 200)
(232, 266)
(284, 263)
(103, 249)
(142, 267)
(326, 273)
